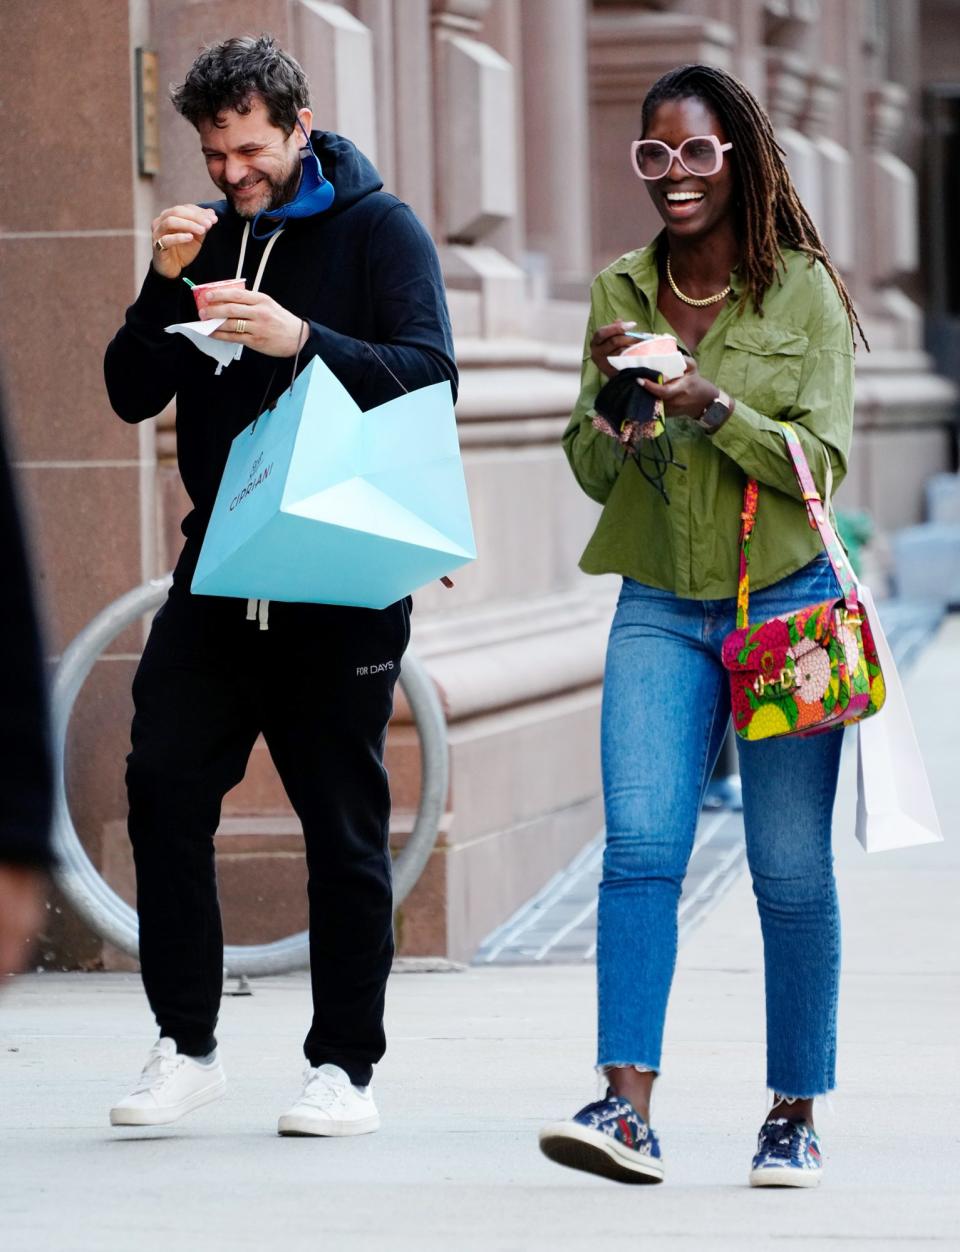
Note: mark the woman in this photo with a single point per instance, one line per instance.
(741, 278)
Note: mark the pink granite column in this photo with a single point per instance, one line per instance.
(557, 140)
(70, 235)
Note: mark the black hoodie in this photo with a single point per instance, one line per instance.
(363, 272)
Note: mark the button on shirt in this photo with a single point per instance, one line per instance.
(793, 363)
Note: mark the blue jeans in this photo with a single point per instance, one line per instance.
(666, 705)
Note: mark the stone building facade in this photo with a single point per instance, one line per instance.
(506, 125)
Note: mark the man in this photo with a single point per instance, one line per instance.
(26, 774)
(351, 267)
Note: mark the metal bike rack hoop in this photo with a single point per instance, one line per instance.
(109, 915)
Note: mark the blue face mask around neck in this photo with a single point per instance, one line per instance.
(315, 194)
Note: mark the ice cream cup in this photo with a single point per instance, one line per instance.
(657, 345)
(203, 291)
(655, 352)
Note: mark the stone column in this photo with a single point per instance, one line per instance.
(475, 115)
(901, 433)
(893, 188)
(74, 239)
(835, 167)
(516, 649)
(413, 105)
(474, 110)
(845, 30)
(377, 18)
(500, 30)
(557, 139)
(336, 52)
(787, 78)
(748, 18)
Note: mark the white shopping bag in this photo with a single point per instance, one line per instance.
(895, 806)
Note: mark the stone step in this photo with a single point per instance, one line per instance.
(943, 498)
(927, 562)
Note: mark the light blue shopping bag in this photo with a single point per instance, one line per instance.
(321, 502)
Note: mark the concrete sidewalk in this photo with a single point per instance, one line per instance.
(479, 1059)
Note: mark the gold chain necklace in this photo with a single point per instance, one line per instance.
(697, 304)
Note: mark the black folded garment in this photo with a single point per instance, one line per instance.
(634, 417)
(629, 410)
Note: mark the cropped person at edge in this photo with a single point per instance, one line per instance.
(26, 757)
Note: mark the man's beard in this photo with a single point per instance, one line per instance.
(279, 193)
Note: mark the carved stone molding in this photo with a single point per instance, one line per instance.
(476, 137)
(499, 283)
(837, 183)
(463, 15)
(788, 77)
(629, 51)
(336, 51)
(886, 106)
(789, 23)
(892, 188)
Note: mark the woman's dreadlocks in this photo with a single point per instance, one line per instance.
(771, 212)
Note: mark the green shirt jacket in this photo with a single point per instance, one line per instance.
(794, 363)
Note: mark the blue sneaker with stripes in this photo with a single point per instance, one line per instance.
(609, 1138)
(788, 1155)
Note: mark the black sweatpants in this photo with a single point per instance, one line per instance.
(319, 685)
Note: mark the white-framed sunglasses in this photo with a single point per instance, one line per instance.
(698, 155)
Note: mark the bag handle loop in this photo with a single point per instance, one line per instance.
(817, 516)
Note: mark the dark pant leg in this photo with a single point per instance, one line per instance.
(193, 729)
(334, 672)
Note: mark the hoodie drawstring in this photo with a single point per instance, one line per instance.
(256, 282)
(259, 611)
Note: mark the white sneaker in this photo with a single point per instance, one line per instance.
(330, 1105)
(171, 1084)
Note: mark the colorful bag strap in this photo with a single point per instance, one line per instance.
(748, 519)
(818, 519)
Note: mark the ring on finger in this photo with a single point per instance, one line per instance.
(241, 328)
(160, 245)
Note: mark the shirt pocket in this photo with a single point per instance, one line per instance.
(762, 366)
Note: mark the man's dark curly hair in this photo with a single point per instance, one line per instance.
(231, 74)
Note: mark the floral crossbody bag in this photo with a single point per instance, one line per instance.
(807, 671)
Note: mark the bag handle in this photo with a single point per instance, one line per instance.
(819, 521)
(446, 579)
(301, 341)
(405, 390)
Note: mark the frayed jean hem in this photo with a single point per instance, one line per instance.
(606, 1066)
(780, 1097)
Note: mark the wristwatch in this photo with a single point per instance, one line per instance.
(716, 413)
